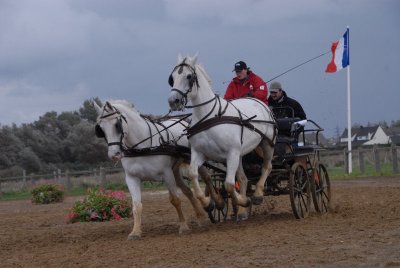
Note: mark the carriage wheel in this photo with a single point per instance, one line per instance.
(217, 215)
(299, 190)
(321, 189)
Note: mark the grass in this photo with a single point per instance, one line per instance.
(15, 196)
(339, 173)
(334, 173)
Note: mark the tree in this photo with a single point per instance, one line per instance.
(66, 120)
(29, 161)
(395, 123)
(83, 146)
(10, 146)
(88, 112)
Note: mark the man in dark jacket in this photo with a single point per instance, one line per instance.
(246, 84)
(282, 105)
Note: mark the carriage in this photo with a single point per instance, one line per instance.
(241, 134)
(296, 171)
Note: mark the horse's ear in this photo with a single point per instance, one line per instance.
(180, 58)
(96, 107)
(194, 59)
(109, 106)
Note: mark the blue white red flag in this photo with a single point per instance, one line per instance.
(340, 54)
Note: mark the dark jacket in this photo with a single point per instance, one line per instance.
(253, 86)
(286, 107)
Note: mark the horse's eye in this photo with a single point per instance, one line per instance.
(189, 76)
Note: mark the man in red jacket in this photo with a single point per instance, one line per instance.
(246, 84)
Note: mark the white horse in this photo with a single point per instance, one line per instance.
(222, 131)
(123, 127)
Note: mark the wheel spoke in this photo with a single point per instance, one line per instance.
(299, 189)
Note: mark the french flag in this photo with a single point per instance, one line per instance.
(340, 54)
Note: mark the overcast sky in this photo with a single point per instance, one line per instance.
(55, 54)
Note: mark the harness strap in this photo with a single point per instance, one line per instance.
(137, 144)
(164, 149)
(209, 123)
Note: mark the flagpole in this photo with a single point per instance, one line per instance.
(349, 122)
(350, 162)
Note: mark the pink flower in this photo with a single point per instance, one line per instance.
(118, 194)
(115, 214)
(72, 215)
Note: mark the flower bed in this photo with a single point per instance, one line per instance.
(100, 205)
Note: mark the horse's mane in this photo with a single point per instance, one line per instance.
(200, 68)
(121, 104)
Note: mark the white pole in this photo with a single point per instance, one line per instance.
(350, 164)
(349, 122)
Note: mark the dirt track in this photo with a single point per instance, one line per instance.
(363, 230)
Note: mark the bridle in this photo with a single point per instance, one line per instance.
(191, 77)
(100, 133)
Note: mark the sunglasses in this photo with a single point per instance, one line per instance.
(273, 92)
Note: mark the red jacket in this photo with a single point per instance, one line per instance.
(254, 86)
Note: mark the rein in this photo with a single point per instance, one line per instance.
(133, 151)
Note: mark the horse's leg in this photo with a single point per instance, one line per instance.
(175, 200)
(205, 175)
(232, 164)
(242, 180)
(196, 161)
(268, 152)
(187, 191)
(134, 189)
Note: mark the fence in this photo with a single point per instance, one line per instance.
(377, 158)
(95, 177)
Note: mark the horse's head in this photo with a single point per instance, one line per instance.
(110, 126)
(183, 81)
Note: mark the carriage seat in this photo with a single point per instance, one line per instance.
(285, 126)
(287, 137)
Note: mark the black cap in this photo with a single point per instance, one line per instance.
(240, 65)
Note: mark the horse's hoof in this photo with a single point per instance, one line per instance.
(134, 237)
(257, 200)
(211, 206)
(184, 231)
(242, 216)
(249, 202)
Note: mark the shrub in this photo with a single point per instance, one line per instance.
(47, 193)
(100, 205)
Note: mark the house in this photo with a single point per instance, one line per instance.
(363, 136)
(394, 134)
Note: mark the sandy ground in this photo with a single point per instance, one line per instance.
(363, 230)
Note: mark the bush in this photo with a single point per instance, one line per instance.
(47, 193)
(100, 205)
